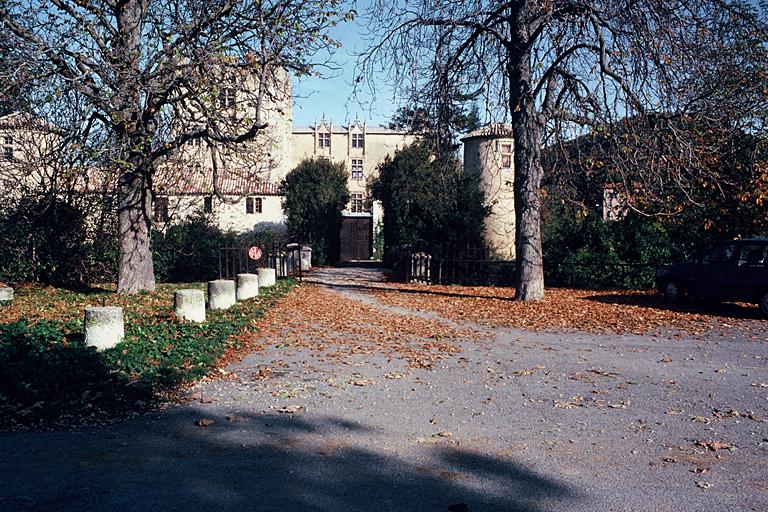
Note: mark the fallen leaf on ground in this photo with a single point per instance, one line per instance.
(713, 445)
(731, 413)
(204, 422)
(290, 409)
(704, 485)
(665, 359)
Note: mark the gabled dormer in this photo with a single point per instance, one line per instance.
(356, 138)
(323, 137)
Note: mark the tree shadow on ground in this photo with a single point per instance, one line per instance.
(261, 462)
(421, 291)
(51, 379)
(736, 311)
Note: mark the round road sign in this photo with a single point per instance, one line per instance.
(254, 253)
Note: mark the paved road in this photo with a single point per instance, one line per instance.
(517, 421)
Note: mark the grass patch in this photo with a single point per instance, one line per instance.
(50, 378)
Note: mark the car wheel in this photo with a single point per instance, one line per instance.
(672, 292)
(764, 303)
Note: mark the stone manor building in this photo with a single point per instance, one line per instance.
(244, 195)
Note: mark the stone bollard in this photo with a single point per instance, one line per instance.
(266, 277)
(189, 305)
(306, 258)
(104, 327)
(247, 286)
(6, 294)
(221, 294)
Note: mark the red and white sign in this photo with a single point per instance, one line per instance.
(254, 253)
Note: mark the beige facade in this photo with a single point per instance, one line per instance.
(489, 156)
(359, 146)
(28, 154)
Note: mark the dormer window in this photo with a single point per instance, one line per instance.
(324, 140)
(358, 140)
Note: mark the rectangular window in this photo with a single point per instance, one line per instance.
(357, 169)
(324, 140)
(253, 205)
(357, 203)
(506, 155)
(208, 204)
(358, 140)
(8, 147)
(228, 97)
(161, 209)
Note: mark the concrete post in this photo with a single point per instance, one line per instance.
(104, 327)
(189, 305)
(6, 294)
(247, 286)
(221, 294)
(267, 277)
(306, 258)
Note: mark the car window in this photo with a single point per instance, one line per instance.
(753, 255)
(718, 256)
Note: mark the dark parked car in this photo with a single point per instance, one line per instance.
(736, 271)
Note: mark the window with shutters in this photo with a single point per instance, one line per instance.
(253, 205)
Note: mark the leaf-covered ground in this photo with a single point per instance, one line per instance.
(319, 319)
(635, 312)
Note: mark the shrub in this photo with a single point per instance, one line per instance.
(586, 252)
(427, 202)
(44, 239)
(315, 194)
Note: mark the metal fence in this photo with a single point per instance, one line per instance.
(468, 265)
(473, 266)
(285, 260)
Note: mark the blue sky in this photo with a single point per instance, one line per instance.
(331, 93)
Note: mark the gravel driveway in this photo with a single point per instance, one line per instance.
(337, 413)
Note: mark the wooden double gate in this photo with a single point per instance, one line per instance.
(356, 238)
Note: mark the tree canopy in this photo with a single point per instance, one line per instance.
(130, 82)
(427, 202)
(559, 69)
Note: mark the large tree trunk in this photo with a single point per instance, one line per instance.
(135, 271)
(528, 174)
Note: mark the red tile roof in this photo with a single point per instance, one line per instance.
(188, 181)
(230, 182)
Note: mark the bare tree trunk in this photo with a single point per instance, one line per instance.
(135, 271)
(528, 174)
